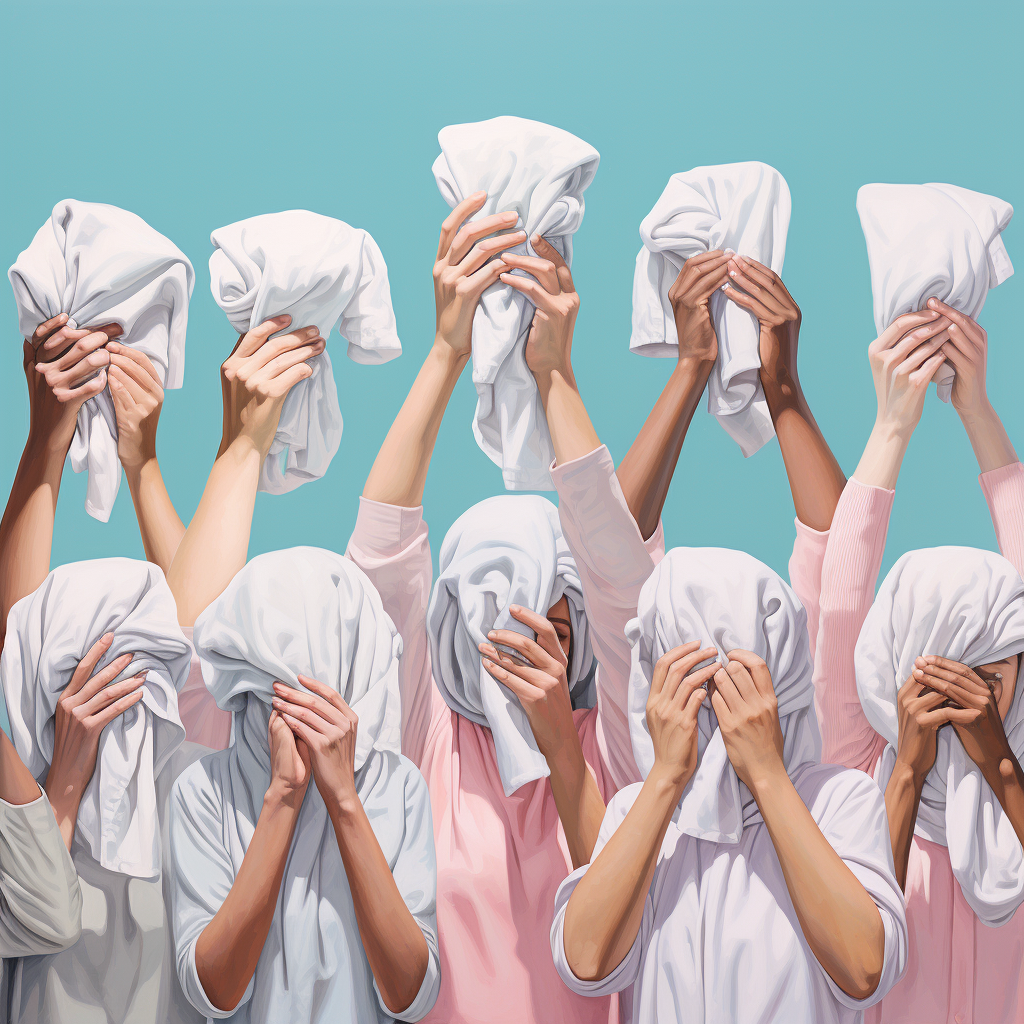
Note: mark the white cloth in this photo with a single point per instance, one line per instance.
(744, 207)
(728, 600)
(313, 612)
(540, 172)
(323, 273)
(719, 939)
(503, 551)
(48, 634)
(103, 265)
(932, 240)
(966, 605)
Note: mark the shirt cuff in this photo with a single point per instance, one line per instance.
(27, 810)
(567, 476)
(1004, 485)
(384, 530)
(197, 994)
(425, 997)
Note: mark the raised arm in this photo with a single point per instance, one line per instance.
(255, 381)
(64, 368)
(646, 472)
(138, 397)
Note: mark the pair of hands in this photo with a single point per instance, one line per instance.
(943, 692)
(743, 699)
(468, 262)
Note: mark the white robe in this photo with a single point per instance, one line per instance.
(540, 172)
(102, 265)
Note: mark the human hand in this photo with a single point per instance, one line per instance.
(920, 713)
(778, 315)
(549, 344)
(903, 359)
(138, 397)
(289, 762)
(690, 296)
(88, 704)
(537, 676)
(462, 270)
(678, 689)
(257, 377)
(748, 717)
(327, 726)
(967, 351)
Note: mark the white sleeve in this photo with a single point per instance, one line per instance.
(40, 900)
(629, 969)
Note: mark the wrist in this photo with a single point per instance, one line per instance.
(281, 796)
(344, 806)
(766, 779)
(977, 413)
(135, 464)
(669, 780)
(452, 360)
(780, 384)
(48, 448)
(908, 775)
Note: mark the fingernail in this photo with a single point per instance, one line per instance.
(919, 673)
(282, 319)
(537, 238)
(491, 635)
(478, 195)
(999, 675)
(514, 608)
(107, 637)
(732, 273)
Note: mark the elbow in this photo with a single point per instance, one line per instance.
(400, 987)
(864, 971)
(63, 926)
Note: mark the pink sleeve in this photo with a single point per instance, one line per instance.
(1004, 492)
(390, 545)
(805, 574)
(614, 563)
(849, 571)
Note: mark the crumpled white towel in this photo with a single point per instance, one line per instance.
(966, 605)
(540, 172)
(503, 551)
(744, 207)
(48, 634)
(932, 240)
(725, 599)
(102, 265)
(323, 273)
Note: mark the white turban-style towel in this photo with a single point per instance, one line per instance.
(743, 207)
(728, 600)
(503, 551)
(968, 606)
(928, 241)
(323, 273)
(541, 173)
(102, 265)
(48, 634)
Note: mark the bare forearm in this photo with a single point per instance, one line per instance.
(16, 783)
(399, 472)
(579, 803)
(839, 919)
(159, 525)
(816, 479)
(395, 946)
(902, 797)
(229, 947)
(646, 472)
(989, 439)
(572, 433)
(880, 464)
(604, 913)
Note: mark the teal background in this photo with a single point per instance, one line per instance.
(194, 115)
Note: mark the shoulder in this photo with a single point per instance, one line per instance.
(389, 773)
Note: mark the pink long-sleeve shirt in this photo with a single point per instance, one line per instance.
(958, 970)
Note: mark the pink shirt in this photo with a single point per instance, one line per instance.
(204, 722)
(959, 970)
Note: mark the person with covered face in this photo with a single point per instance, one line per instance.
(920, 686)
(742, 880)
(302, 857)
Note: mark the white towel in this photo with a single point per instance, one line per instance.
(540, 172)
(928, 241)
(48, 634)
(728, 600)
(503, 551)
(743, 207)
(968, 606)
(323, 273)
(102, 265)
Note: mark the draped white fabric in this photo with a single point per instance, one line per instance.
(742, 207)
(311, 612)
(102, 265)
(966, 605)
(932, 240)
(540, 172)
(323, 273)
(503, 551)
(728, 600)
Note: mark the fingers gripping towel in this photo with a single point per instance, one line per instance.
(966, 605)
(744, 207)
(325, 274)
(504, 551)
(103, 265)
(540, 172)
(928, 241)
(48, 634)
(728, 600)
